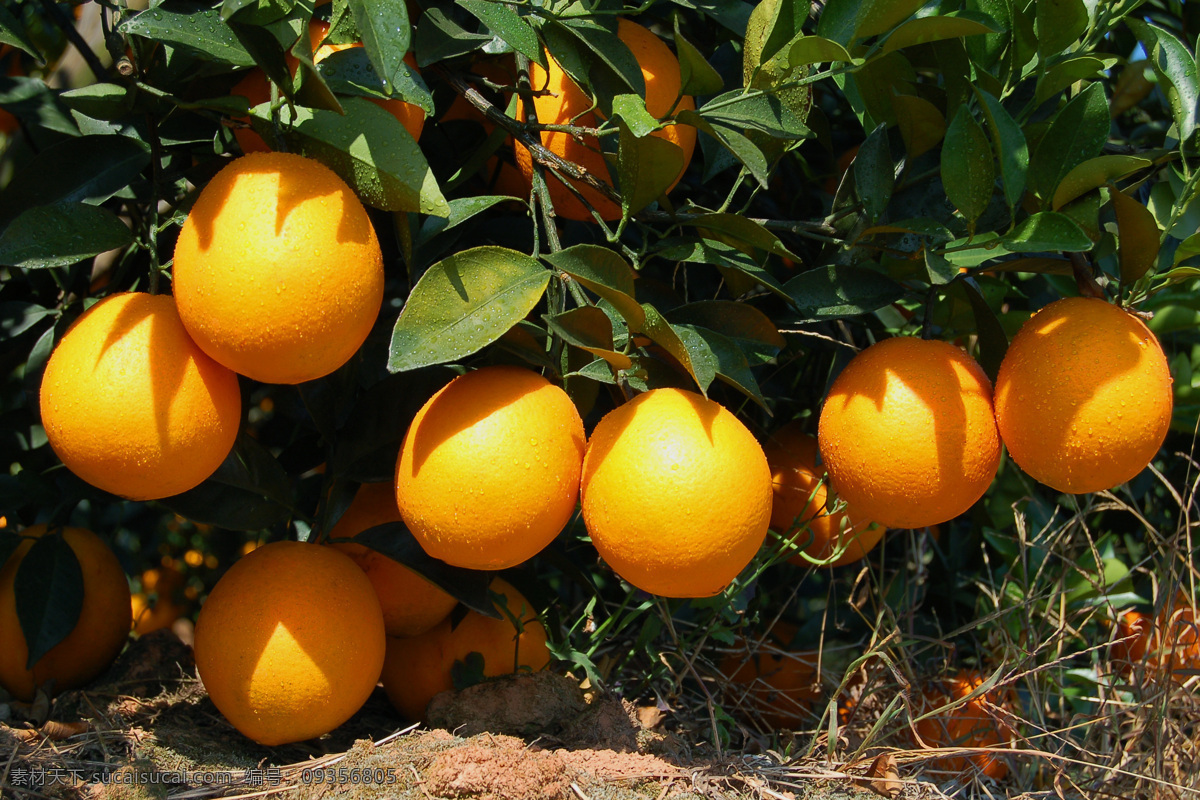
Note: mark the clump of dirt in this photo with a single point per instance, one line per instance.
(500, 769)
(525, 704)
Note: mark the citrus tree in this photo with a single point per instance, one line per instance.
(687, 218)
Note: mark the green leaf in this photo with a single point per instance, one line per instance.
(697, 75)
(105, 101)
(590, 329)
(1008, 141)
(993, 341)
(62, 234)
(1059, 77)
(648, 166)
(729, 361)
(835, 292)
(350, 72)
(968, 171)
(386, 32)
(13, 32)
(462, 209)
(631, 109)
(772, 25)
(742, 229)
(765, 113)
(1049, 231)
(395, 540)
(250, 491)
(85, 169)
(16, 317)
(1094, 173)
(1059, 23)
(845, 21)
(1188, 248)
(921, 124)
(1077, 133)
(611, 67)
(874, 173)
(1174, 66)
(199, 31)
(463, 303)
(931, 29)
(697, 359)
(368, 148)
(509, 26)
(751, 329)
(49, 594)
(721, 255)
(602, 271)
(1138, 236)
(439, 38)
(735, 146)
(816, 50)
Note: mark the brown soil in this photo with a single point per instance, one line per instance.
(148, 730)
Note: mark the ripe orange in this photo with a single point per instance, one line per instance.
(489, 470)
(257, 89)
(132, 405)
(566, 104)
(168, 605)
(1167, 643)
(802, 501)
(419, 667)
(980, 722)
(1083, 398)
(770, 679)
(290, 642)
(410, 604)
(97, 637)
(908, 433)
(676, 493)
(278, 273)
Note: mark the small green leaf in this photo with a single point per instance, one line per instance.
(835, 292)
(462, 209)
(62, 234)
(730, 362)
(1059, 77)
(772, 25)
(198, 30)
(350, 72)
(816, 50)
(721, 255)
(1094, 173)
(931, 29)
(742, 229)
(968, 170)
(845, 21)
(697, 75)
(1077, 133)
(368, 148)
(509, 26)
(764, 112)
(1008, 141)
(439, 38)
(697, 359)
(1049, 231)
(648, 166)
(1059, 23)
(874, 173)
(590, 329)
(386, 32)
(1138, 236)
(632, 110)
(602, 271)
(106, 101)
(1174, 66)
(13, 32)
(463, 303)
(921, 124)
(611, 67)
(1188, 248)
(49, 594)
(744, 324)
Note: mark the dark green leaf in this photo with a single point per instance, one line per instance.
(772, 25)
(439, 38)
(1009, 143)
(463, 303)
(751, 329)
(611, 67)
(834, 292)
(815, 50)
(697, 75)
(36, 104)
(106, 101)
(968, 171)
(16, 317)
(922, 30)
(697, 359)
(1060, 77)
(874, 173)
(86, 169)
(1094, 173)
(198, 30)
(741, 229)
(1176, 67)
(845, 21)
(49, 594)
(604, 272)
(939, 269)
(1059, 24)
(350, 72)
(61, 234)
(730, 362)
(1137, 235)
(720, 254)
(765, 113)
(648, 166)
(369, 149)
(1077, 133)
(509, 26)
(386, 32)
(590, 329)
(921, 124)
(461, 210)
(1049, 231)
(13, 32)
(250, 491)
(993, 341)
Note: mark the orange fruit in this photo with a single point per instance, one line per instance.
(1083, 398)
(908, 433)
(488, 473)
(419, 667)
(98, 635)
(256, 88)
(1167, 643)
(410, 603)
(802, 502)
(278, 273)
(161, 611)
(132, 405)
(676, 493)
(290, 642)
(980, 722)
(564, 103)
(781, 686)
